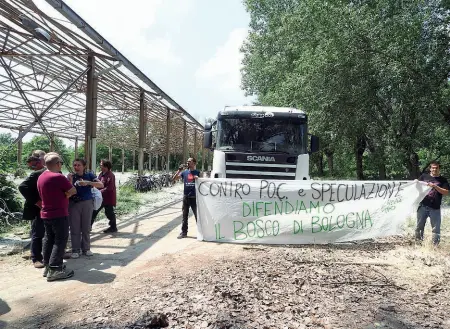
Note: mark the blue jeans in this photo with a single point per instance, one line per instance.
(435, 219)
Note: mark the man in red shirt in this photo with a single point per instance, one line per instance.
(109, 196)
(55, 191)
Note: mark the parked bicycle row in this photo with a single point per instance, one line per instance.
(150, 182)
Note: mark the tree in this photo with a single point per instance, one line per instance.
(372, 75)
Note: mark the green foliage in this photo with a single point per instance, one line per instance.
(9, 193)
(371, 75)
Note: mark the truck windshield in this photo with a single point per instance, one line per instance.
(262, 135)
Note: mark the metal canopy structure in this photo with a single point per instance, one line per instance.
(59, 77)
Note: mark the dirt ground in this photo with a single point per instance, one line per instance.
(144, 271)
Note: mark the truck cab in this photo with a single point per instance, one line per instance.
(260, 142)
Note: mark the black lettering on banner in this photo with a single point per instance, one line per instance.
(236, 191)
(338, 189)
(246, 189)
(382, 193)
(211, 189)
(371, 190)
(400, 188)
(262, 187)
(301, 192)
(332, 192)
(200, 189)
(328, 188)
(278, 192)
(352, 195)
(314, 195)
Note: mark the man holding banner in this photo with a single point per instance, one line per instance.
(431, 204)
(189, 198)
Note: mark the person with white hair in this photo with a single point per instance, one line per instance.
(55, 191)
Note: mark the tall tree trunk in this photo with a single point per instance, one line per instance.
(382, 169)
(413, 166)
(359, 151)
(319, 164)
(330, 162)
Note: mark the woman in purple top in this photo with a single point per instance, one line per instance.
(81, 206)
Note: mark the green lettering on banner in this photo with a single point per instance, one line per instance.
(359, 220)
(343, 221)
(277, 227)
(315, 220)
(239, 230)
(317, 206)
(290, 205)
(346, 220)
(277, 208)
(217, 228)
(368, 218)
(267, 211)
(325, 225)
(298, 227)
(257, 208)
(260, 228)
(244, 205)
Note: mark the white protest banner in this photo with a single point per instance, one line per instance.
(303, 212)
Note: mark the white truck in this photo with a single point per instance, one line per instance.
(259, 142)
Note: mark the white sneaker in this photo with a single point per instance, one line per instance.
(88, 253)
(75, 255)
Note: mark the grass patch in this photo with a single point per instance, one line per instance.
(128, 200)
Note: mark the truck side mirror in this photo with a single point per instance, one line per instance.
(207, 139)
(314, 144)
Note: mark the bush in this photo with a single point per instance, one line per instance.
(9, 193)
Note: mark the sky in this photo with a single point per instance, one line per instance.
(189, 48)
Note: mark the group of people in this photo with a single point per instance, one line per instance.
(57, 205)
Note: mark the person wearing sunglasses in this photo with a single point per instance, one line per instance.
(32, 206)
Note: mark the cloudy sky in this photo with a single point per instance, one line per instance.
(189, 48)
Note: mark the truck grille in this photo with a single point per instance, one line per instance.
(237, 169)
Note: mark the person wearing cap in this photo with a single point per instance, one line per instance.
(32, 206)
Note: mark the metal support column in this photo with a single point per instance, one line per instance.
(123, 161)
(89, 111)
(76, 147)
(52, 142)
(142, 132)
(19, 149)
(134, 159)
(195, 143)
(185, 149)
(203, 159)
(156, 162)
(94, 123)
(168, 132)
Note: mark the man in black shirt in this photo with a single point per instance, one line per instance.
(430, 206)
(32, 206)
